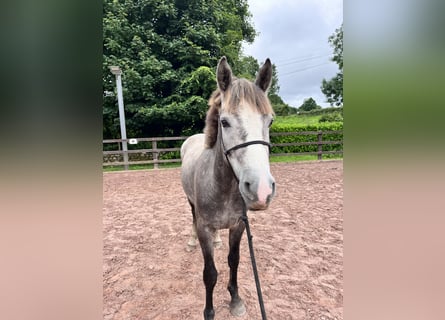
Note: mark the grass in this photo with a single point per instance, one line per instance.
(292, 158)
(298, 119)
(300, 158)
(141, 167)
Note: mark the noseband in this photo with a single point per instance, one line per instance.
(245, 144)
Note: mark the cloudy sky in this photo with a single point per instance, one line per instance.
(294, 35)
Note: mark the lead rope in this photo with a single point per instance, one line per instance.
(252, 258)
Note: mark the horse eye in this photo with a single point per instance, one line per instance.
(225, 123)
(271, 121)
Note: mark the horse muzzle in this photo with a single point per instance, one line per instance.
(257, 190)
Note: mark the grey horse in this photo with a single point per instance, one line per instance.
(226, 169)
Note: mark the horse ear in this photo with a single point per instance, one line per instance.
(264, 77)
(223, 74)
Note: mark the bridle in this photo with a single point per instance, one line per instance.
(244, 215)
(238, 146)
(243, 145)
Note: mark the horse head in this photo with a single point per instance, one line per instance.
(239, 117)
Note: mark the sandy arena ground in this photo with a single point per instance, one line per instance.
(298, 244)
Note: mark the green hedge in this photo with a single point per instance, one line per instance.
(331, 117)
(316, 112)
(332, 126)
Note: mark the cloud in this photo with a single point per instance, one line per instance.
(294, 35)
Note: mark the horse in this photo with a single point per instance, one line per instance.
(226, 170)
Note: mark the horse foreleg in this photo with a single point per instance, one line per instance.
(191, 245)
(217, 242)
(237, 307)
(210, 274)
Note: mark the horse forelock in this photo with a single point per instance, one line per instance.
(241, 93)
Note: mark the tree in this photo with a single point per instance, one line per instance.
(333, 89)
(308, 105)
(168, 50)
(249, 66)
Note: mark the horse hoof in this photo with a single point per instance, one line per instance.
(190, 247)
(238, 309)
(217, 244)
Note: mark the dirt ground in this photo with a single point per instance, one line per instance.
(298, 241)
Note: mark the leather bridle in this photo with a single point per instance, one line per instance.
(243, 145)
(238, 146)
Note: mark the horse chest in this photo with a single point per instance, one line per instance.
(221, 215)
(226, 217)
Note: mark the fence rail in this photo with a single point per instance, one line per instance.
(155, 151)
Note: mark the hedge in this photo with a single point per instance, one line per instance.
(317, 112)
(331, 126)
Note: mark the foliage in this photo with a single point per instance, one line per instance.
(336, 40)
(280, 107)
(331, 117)
(333, 88)
(308, 105)
(289, 127)
(295, 120)
(283, 109)
(274, 87)
(168, 50)
(174, 119)
(322, 111)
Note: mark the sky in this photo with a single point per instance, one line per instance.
(294, 35)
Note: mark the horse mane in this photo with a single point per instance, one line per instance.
(240, 92)
(211, 123)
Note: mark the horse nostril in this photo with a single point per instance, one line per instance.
(273, 187)
(247, 186)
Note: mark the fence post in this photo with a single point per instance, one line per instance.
(125, 150)
(120, 146)
(320, 145)
(154, 146)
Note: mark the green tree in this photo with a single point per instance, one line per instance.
(308, 105)
(333, 88)
(274, 86)
(248, 67)
(168, 50)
